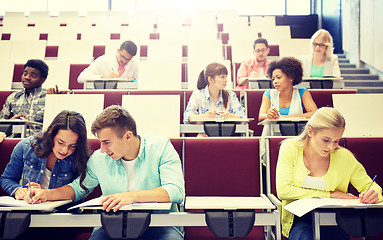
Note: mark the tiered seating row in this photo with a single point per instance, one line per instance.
(253, 99)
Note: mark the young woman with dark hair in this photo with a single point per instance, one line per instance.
(211, 100)
(49, 160)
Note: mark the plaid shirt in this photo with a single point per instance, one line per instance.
(32, 105)
(200, 102)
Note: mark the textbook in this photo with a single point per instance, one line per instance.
(302, 206)
(94, 204)
(8, 203)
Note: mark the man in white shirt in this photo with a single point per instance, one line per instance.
(120, 65)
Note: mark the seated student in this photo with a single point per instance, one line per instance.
(314, 166)
(255, 67)
(321, 62)
(28, 103)
(285, 100)
(148, 169)
(120, 65)
(211, 100)
(50, 159)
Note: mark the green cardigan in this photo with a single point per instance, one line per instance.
(291, 171)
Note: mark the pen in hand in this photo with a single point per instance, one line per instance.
(373, 180)
(30, 190)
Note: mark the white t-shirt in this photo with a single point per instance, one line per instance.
(131, 173)
(314, 183)
(46, 178)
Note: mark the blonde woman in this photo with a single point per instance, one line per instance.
(315, 166)
(322, 61)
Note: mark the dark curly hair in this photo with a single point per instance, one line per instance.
(290, 66)
(66, 120)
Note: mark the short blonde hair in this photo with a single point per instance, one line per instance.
(323, 118)
(328, 41)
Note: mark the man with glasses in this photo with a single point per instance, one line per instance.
(255, 67)
(120, 65)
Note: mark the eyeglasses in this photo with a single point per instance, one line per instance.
(321, 45)
(258, 51)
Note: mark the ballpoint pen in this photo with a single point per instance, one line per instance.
(30, 190)
(373, 180)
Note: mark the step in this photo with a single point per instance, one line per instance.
(360, 77)
(341, 55)
(347, 65)
(366, 83)
(343, 60)
(355, 71)
(370, 90)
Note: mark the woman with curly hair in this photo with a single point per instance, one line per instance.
(49, 160)
(285, 100)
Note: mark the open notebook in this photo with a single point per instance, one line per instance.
(8, 203)
(94, 204)
(302, 206)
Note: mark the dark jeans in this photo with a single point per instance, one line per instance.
(302, 229)
(152, 233)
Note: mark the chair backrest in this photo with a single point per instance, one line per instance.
(76, 52)
(202, 50)
(178, 145)
(155, 114)
(22, 51)
(273, 152)
(222, 167)
(324, 97)
(165, 50)
(169, 92)
(5, 50)
(111, 97)
(253, 100)
(159, 75)
(3, 97)
(6, 148)
(294, 47)
(359, 113)
(74, 72)
(368, 151)
(55, 103)
(58, 74)
(6, 75)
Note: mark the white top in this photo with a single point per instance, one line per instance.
(107, 64)
(131, 174)
(46, 179)
(314, 183)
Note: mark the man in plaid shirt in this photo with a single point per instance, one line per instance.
(28, 103)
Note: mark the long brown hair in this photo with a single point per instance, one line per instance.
(212, 70)
(66, 120)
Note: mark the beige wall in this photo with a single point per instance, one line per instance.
(371, 33)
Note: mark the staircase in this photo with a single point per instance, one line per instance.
(359, 78)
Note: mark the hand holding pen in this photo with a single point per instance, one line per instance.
(369, 196)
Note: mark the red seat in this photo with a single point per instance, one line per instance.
(3, 97)
(368, 152)
(74, 72)
(221, 167)
(6, 148)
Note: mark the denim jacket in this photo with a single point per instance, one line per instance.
(26, 166)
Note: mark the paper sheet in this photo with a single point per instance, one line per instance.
(302, 206)
(95, 204)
